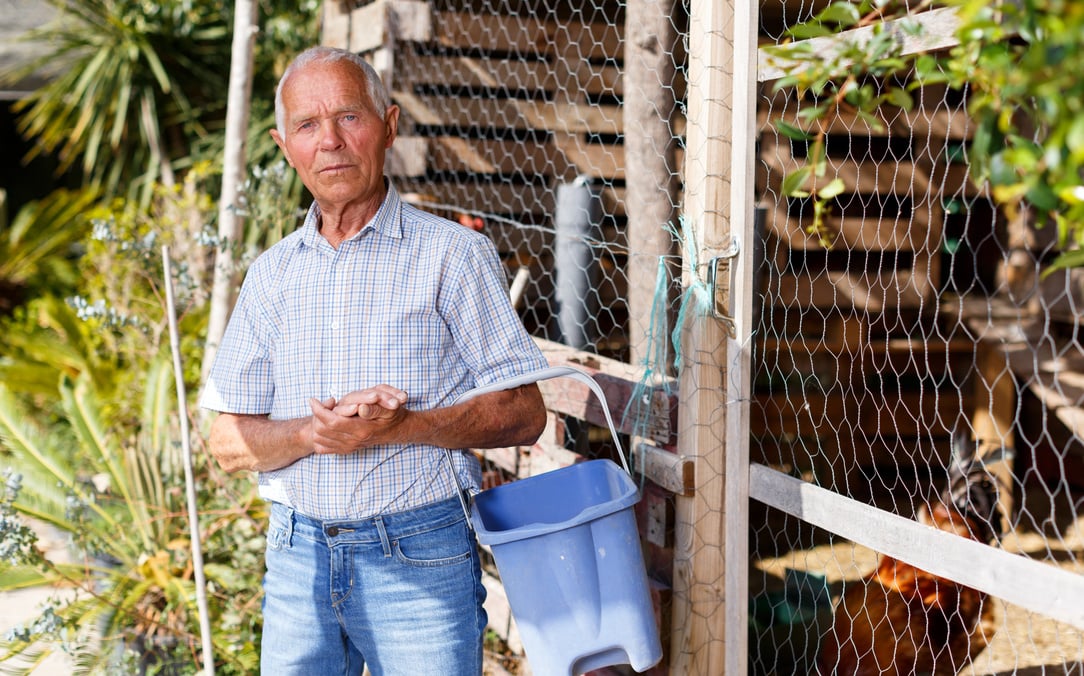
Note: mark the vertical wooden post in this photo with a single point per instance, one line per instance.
(238, 103)
(650, 179)
(710, 608)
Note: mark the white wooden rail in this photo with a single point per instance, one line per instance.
(1030, 584)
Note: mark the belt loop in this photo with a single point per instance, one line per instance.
(384, 542)
(288, 515)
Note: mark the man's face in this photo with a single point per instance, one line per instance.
(333, 136)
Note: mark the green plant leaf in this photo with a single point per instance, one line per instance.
(792, 131)
(834, 189)
(793, 181)
(844, 14)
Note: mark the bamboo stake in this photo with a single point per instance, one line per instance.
(189, 481)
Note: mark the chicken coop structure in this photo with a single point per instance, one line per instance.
(807, 428)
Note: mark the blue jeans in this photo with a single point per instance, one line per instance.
(401, 593)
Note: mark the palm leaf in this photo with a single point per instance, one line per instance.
(31, 452)
(80, 403)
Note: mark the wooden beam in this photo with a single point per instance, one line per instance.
(666, 469)
(710, 581)
(618, 381)
(1031, 584)
(651, 172)
(382, 22)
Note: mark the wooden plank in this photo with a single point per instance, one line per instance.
(907, 232)
(523, 36)
(906, 414)
(509, 158)
(335, 29)
(499, 73)
(929, 119)
(573, 118)
(382, 22)
(486, 113)
(666, 469)
(860, 174)
(835, 457)
(651, 175)
(618, 382)
(831, 332)
(873, 292)
(1034, 585)
(938, 32)
(488, 197)
(527, 36)
(416, 155)
(521, 204)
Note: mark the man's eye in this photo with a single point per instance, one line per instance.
(350, 118)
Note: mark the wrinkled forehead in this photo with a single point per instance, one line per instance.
(336, 83)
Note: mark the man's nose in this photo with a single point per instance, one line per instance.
(330, 138)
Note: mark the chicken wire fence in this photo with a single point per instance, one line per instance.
(910, 377)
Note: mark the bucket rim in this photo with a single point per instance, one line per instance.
(628, 497)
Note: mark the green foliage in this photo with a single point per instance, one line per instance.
(90, 425)
(134, 79)
(1019, 64)
(38, 248)
(140, 87)
(120, 500)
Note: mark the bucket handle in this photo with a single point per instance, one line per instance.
(526, 379)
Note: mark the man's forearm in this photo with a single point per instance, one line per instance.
(509, 418)
(255, 442)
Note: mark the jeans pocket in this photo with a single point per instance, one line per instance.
(442, 546)
(279, 528)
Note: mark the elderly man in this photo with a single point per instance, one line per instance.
(335, 381)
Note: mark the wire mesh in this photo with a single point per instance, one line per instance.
(916, 364)
(901, 364)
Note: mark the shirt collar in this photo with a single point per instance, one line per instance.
(387, 221)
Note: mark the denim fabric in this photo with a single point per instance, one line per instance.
(400, 592)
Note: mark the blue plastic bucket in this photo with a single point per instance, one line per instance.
(568, 553)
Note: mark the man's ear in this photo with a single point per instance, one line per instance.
(391, 125)
(281, 143)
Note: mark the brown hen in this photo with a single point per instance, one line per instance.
(903, 620)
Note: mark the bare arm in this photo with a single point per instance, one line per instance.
(255, 442)
(374, 417)
(508, 418)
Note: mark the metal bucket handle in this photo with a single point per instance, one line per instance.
(526, 379)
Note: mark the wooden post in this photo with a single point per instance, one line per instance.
(239, 101)
(650, 179)
(710, 597)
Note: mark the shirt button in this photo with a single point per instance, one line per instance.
(335, 326)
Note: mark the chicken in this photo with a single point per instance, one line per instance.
(901, 619)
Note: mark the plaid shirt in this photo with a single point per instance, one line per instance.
(414, 301)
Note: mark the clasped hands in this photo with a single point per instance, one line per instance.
(362, 418)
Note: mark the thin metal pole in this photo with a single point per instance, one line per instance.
(189, 481)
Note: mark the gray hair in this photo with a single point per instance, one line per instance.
(322, 54)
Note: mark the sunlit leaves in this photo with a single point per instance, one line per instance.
(1020, 65)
